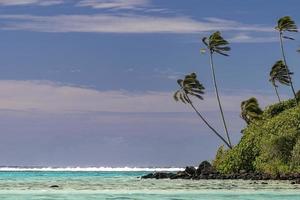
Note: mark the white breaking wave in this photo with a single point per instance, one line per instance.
(90, 169)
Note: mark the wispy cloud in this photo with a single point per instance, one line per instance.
(56, 98)
(168, 73)
(114, 4)
(106, 23)
(30, 2)
(245, 38)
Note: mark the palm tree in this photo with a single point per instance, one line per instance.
(216, 44)
(278, 73)
(250, 110)
(286, 24)
(190, 86)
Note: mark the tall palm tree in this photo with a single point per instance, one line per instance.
(190, 86)
(216, 44)
(286, 24)
(278, 73)
(250, 110)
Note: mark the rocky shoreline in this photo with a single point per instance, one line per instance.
(206, 171)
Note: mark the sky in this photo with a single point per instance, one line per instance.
(90, 82)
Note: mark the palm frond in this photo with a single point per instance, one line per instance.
(250, 110)
(189, 86)
(279, 73)
(216, 43)
(286, 23)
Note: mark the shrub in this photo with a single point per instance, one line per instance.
(269, 145)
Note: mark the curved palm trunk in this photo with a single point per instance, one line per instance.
(206, 122)
(277, 94)
(218, 98)
(286, 67)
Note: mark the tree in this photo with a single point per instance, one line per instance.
(286, 24)
(279, 74)
(216, 44)
(250, 110)
(190, 86)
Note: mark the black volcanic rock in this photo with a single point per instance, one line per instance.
(158, 175)
(204, 168)
(206, 171)
(190, 170)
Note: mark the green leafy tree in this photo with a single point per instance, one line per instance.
(190, 86)
(216, 44)
(279, 74)
(286, 24)
(250, 110)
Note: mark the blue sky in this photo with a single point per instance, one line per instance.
(90, 82)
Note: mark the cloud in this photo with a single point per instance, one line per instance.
(113, 4)
(30, 2)
(108, 23)
(168, 73)
(245, 38)
(50, 97)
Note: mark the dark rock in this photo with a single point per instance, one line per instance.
(161, 175)
(158, 175)
(54, 186)
(297, 181)
(206, 171)
(190, 170)
(148, 176)
(182, 175)
(205, 168)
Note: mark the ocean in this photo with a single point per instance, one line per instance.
(124, 183)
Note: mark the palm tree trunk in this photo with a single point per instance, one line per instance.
(206, 122)
(218, 98)
(286, 67)
(277, 94)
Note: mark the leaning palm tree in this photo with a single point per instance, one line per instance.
(286, 24)
(250, 110)
(279, 74)
(190, 86)
(216, 44)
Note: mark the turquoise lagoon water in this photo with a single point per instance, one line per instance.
(92, 185)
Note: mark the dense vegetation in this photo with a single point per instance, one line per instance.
(270, 144)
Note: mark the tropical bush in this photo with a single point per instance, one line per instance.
(271, 145)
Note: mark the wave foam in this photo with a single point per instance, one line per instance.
(89, 169)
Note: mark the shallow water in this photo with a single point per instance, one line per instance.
(87, 185)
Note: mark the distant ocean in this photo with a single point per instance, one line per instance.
(123, 183)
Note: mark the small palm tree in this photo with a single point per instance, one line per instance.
(190, 86)
(250, 110)
(278, 73)
(216, 44)
(286, 24)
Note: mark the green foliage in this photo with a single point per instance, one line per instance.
(286, 24)
(279, 73)
(295, 160)
(189, 86)
(271, 145)
(275, 109)
(250, 110)
(216, 43)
